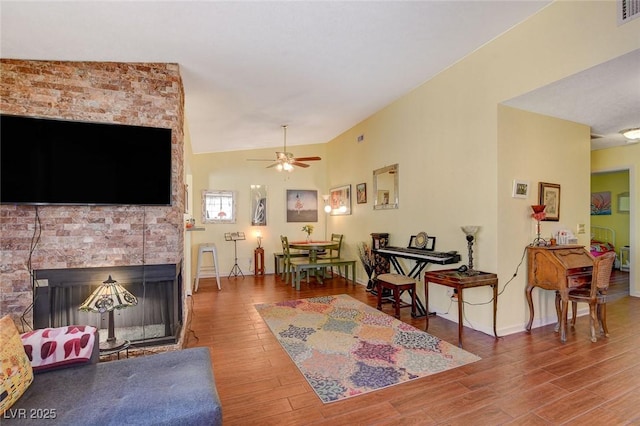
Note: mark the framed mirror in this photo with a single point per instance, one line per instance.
(385, 188)
(218, 206)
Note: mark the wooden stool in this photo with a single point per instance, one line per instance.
(398, 284)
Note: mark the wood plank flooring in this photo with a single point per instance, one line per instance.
(522, 379)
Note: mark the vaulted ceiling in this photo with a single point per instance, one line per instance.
(319, 66)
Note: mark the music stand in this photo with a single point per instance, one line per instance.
(235, 237)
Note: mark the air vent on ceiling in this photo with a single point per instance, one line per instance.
(628, 10)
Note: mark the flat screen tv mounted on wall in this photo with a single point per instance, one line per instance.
(48, 161)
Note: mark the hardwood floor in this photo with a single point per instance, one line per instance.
(522, 379)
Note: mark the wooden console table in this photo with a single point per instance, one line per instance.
(460, 281)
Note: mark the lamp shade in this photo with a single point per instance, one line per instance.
(109, 296)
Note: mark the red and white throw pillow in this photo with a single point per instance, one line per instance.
(49, 348)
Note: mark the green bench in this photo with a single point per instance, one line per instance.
(279, 257)
(300, 265)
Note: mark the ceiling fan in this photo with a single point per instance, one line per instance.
(285, 160)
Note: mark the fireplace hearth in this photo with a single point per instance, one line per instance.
(156, 320)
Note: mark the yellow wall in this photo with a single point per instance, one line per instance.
(232, 171)
(459, 151)
(615, 183)
(625, 158)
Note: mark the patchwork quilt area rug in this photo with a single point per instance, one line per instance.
(345, 348)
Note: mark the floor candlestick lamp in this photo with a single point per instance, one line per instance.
(106, 298)
(327, 210)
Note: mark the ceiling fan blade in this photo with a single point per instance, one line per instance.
(273, 165)
(307, 158)
(295, 163)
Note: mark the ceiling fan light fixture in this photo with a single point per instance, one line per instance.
(632, 134)
(287, 167)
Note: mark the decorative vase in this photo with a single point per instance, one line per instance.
(308, 238)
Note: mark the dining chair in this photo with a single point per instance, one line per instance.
(333, 253)
(287, 267)
(595, 295)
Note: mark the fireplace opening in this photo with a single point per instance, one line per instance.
(155, 320)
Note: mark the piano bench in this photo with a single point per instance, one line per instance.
(398, 284)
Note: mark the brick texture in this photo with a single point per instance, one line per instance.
(47, 237)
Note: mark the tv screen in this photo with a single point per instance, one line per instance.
(45, 161)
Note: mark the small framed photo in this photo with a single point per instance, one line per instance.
(549, 195)
(361, 193)
(340, 200)
(520, 188)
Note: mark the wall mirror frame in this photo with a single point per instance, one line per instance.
(385, 187)
(623, 202)
(218, 206)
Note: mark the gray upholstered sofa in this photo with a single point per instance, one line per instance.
(170, 388)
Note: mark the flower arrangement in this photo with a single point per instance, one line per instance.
(308, 229)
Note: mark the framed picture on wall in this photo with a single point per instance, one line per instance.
(302, 205)
(361, 193)
(601, 203)
(549, 195)
(520, 189)
(258, 205)
(340, 200)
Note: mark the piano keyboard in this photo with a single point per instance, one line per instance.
(415, 253)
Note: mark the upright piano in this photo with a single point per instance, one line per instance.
(557, 268)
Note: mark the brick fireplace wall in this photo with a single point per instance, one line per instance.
(144, 94)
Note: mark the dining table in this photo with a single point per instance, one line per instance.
(313, 247)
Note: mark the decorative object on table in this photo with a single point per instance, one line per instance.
(302, 205)
(106, 298)
(258, 205)
(361, 193)
(549, 195)
(601, 203)
(340, 200)
(285, 161)
(422, 241)
(218, 206)
(538, 215)
(368, 262)
(470, 231)
(309, 230)
(345, 348)
(520, 189)
(235, 237)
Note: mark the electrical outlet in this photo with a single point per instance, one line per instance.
(581, 229)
